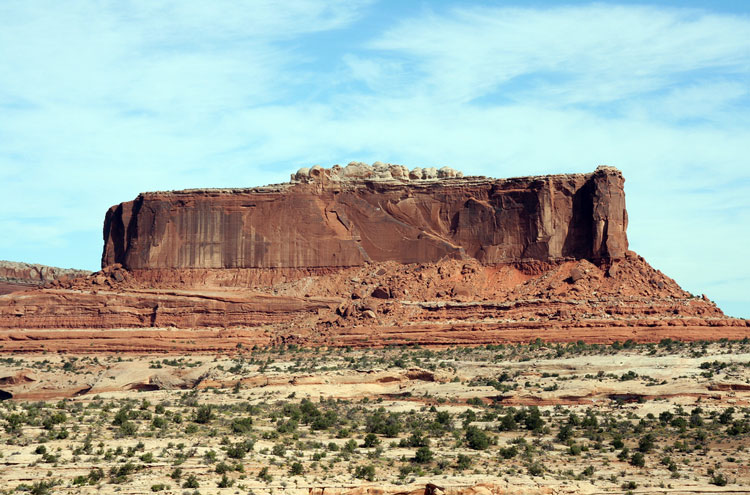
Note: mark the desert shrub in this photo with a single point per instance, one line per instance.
(416, 439)
(127, 429)
(423, 455)
(38, 488)
(225, 481)
(264, 476)
(531, 418)
(476, 439)
(638, 459)
(508, 452)
(646, 443)
(463, 462)
(443, 418)
(535, 469)
(365, 472)
(371, 440)
(508, 422)
(384, 424)
(94, 476)
(191, 482)
(242, 425)
(239, 449)
(726, 416)
(203, 415)
(565, 434)
(719, 479)
(324, 421)
(119, 474)
(158, 422)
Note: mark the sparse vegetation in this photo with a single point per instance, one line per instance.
(469, 416)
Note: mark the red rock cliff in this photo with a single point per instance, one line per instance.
(349, 216)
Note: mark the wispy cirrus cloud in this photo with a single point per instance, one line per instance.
(589, 54)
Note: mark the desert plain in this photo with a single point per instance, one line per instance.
(668, 417)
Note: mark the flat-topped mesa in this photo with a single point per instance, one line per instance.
(349, 216)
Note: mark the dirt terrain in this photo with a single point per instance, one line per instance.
(656, 418)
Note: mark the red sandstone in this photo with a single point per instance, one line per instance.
(325, 261)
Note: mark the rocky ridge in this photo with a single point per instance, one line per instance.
(19, 276)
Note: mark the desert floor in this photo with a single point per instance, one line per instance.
(536, 418)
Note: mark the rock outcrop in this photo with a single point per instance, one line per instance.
(19, 276)
(358, 214)
(27, 273)
(366, 256)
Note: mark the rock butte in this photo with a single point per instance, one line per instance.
(359, 214)
(365, 256)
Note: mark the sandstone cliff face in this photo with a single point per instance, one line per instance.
(351, 216)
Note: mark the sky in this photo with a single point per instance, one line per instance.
(101, 100)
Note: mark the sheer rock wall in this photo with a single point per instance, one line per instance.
(350, 216)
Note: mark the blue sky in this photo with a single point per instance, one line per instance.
(102, 100)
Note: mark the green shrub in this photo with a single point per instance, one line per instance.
(476, 439)
(225, 481)
(508, 452)
(719, 479)
(535, 469)
(371, 440)
(191, 482)
(264, 476)
(365, 472)
(423, 455)
(242, 425)
(463, 462)
(203, 415)
(638, 459)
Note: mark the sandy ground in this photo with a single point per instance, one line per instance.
(628, 390)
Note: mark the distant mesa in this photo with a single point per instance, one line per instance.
(18, 276)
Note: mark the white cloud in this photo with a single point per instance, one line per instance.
(587, 54)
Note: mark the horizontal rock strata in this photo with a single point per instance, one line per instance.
(445, 303)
